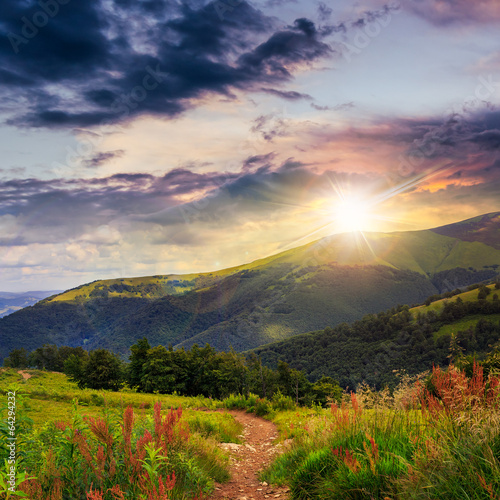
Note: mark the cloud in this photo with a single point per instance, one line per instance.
(289, 95)
(338, 107)
(270, 126)
(453, 12)
(324, 12)
(109, 67)
(366, 17)
(104, 157)
(278, 3)
(34, 211)
(458, 137)
(58, 210)
(258, 160)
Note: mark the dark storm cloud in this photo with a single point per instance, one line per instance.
(92, 63)
(71, 45)
(458, 137)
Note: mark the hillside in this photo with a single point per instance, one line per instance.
(375, 348)
(485, 229)
(333, 280)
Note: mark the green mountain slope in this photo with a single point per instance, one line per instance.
(377, 347)
(336, 279)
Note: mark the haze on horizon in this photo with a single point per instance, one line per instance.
(164, 136)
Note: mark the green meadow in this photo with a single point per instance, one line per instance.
(434, 436)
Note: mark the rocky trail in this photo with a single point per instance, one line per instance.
(248, 459)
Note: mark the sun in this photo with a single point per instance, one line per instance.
(352, 214)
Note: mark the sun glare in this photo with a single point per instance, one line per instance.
(352, 215)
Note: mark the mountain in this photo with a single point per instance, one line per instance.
(485, 229)
(379, 347)
(11, 302)
(324, 283)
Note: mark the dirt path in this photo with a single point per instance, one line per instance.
(23, 374)
(248, 459)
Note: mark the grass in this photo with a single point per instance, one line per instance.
(171, 451)
(464, 324)
(412, 444)
(425, 440)
(54, 393)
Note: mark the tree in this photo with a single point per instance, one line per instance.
(74, 368)
(484, 291)
(46, 358)
(158, 374)
(138, 357)
(18, 358)
(103, 370)
(231, 374)
(258, 376)
(326, 390)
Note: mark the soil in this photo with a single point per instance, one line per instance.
(24, 374)
(248, 459)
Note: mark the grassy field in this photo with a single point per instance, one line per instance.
(428, 439)
(51, 395)
(76, 443)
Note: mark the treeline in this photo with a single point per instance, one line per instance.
(47, 357)
(193, 372)
(380, 346)
(484, 291)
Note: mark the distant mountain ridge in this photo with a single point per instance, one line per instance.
(333, 280)
(12, 301)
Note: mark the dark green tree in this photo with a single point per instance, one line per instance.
(18, 358)
(230, 373)
(74, 368)
(484, 291)
(138, 357)
(103, 370)
(158, 373)
(46, 358)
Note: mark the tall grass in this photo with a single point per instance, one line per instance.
(260, 406)
(149, 455)
(434, 441)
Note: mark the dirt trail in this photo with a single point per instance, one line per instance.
(23, 374)
(248, 459)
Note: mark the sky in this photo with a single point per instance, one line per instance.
(143, 137)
